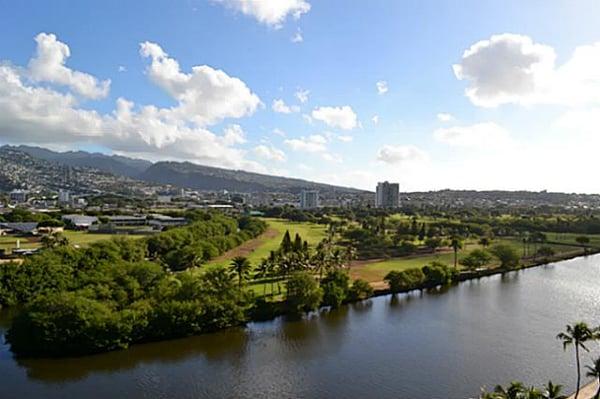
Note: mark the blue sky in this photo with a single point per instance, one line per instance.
(220, 82)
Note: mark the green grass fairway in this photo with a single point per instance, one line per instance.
(80, 238)
(257, 249)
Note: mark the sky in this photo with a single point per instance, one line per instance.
(470, 94)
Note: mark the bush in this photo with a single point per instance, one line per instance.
(360, 290)
(438, 274)
(508, 256)
(546, 251)
(336, 286)
(404, 280)
(476, 258)
(303, 293)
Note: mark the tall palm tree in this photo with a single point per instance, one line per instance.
(577, 335)
(594, 371)
(241, 267)
(262, 271)
(456, 244)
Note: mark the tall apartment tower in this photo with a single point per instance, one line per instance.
(387, 195)
(309, 199)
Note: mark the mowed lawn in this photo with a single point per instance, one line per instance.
(374, 271)
(79, 238)
(259, 248)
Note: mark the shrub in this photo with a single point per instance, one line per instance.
(476, 258)
(405, 279)
(360, 290)
(508, 256)
(303, 293)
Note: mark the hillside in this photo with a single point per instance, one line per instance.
(115, 164)
(186, 174)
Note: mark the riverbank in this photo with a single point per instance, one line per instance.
(587, 392)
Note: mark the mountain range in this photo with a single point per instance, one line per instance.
(180, 174)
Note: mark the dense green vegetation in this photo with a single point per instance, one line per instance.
(108, 295)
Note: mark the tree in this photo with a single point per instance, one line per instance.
(241, 267)
(456, 244)
(594, 371)
(336, 286)
(303, 293)
(484, 242)
(583, 241)
(552, 391)
(54, 240)
(360, 290)
(545, 251)
(286, 245)
(297, 246)
(577, 335)
(433, 243)
(405, 279)
(476, 258)
(506, 254)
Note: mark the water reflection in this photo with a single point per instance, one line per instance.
(226, 346)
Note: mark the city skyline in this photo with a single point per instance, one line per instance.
(478, 97)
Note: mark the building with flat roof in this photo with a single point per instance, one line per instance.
(387, 195)
(309, 199)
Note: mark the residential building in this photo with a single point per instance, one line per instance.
(309, 199)
(387, 195)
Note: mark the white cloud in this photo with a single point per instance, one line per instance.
(30, 113)
(382, 87)
(279, 132)
(445, 117)
(344, 138)
(205, 96)
(340, 117)
(302, 95)
(48, 65)
(400, 154)
(375, 119)
(281, 107)
(270, 153)
(312, 143)
(297, 38)
(480, 135)
(122, 68)
(234, 134)
(511, 68)
(268, 12)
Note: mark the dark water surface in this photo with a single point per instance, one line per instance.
(422, 345)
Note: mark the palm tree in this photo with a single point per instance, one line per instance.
(456, 244)
(262, 271)
(552, 391)
(594, 371)
(241, 267)
(577, 335)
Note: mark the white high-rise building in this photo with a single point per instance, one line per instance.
(387, 195)
(309, 199)
(64, 196)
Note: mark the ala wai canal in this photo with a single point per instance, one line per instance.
(421, 345)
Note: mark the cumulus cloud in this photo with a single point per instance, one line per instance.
(269, 153)
(445, 117)
(511, 68)
(205, 95)
(382, 87)
(344, 138)
(302, 95)
(48, 65)
(400, 154)
(30, 113)
(375, 119)
(339, 117)
(268, 12)
(481, 135)
(281, 107)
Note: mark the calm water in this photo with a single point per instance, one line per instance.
(431, 345)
